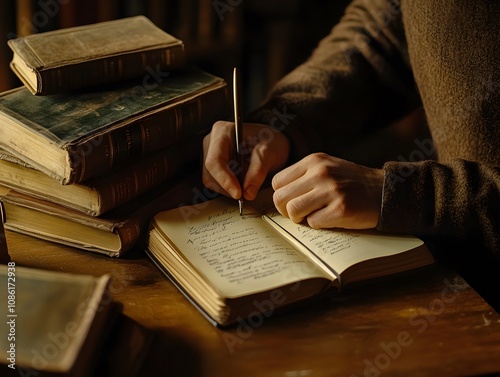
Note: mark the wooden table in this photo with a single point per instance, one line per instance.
(429, 323)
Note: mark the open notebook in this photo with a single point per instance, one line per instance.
(230, 265)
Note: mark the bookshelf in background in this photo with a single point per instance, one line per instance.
(7, 27)
(265, 38)
(196, 22)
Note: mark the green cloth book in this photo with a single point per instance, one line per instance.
(82, 56)
(78, 136)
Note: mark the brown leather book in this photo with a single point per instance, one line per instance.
(101, 195)
(82, 56)
(112, 234)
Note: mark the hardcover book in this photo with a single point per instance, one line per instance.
(83, 56)
(231, 266)
(79, 136)
(112, 234)
(56, 323)
(98, 196)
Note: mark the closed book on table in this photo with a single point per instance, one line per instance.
(56, 324)
(112, 234)
(79, 136)
(83, 56)
(100, 195)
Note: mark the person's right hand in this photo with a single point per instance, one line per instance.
(264, 150)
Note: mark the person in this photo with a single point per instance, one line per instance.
(383, 60)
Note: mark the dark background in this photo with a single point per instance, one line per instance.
(265, 38)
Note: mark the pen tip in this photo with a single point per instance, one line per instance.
(240, 204)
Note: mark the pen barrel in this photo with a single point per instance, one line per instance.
(238, 126)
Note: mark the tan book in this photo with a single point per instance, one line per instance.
(243, 268)
(55, 322)
(100, 195)
(112, 234)
(83, 56)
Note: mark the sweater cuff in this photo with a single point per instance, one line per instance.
(407, 206)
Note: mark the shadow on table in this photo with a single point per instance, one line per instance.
(133, 351)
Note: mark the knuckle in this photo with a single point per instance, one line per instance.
(278, 198)
(211, 162)
(320, 165)
(275, 182)
(293, 210)
(342, 208)
(321, 170)
(317, 157)
(220, 125)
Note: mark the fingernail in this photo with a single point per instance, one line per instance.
(251, 191)
(233, 192)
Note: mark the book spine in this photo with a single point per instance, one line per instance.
(129, 234)
(111, 69)
(103, 152)
(132, 181)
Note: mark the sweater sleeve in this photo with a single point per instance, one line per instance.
(357, 79)
(453, 48)
(458, 200)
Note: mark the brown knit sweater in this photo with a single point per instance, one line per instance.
(383, 60)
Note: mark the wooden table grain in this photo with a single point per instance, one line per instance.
(427, 323)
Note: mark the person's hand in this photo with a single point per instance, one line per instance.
(329, 192)
(264, 149)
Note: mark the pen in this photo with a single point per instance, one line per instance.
(238, 127)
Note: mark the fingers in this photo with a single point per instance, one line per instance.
(265, 158)
(218, 148)
(328, 192)
(295, 200)
(264, 150)
(289, 175)
(295, 191)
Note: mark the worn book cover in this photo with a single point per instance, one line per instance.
(56, 322)
(98, 196)
(78, 136)
(112, 234)
(83, 56)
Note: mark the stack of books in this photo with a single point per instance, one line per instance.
(110, 116)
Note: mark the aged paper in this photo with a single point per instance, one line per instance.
(238, 254)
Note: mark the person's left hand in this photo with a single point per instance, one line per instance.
(329, 192)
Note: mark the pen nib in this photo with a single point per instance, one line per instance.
(240, 204)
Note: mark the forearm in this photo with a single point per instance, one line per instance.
(357, 79)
